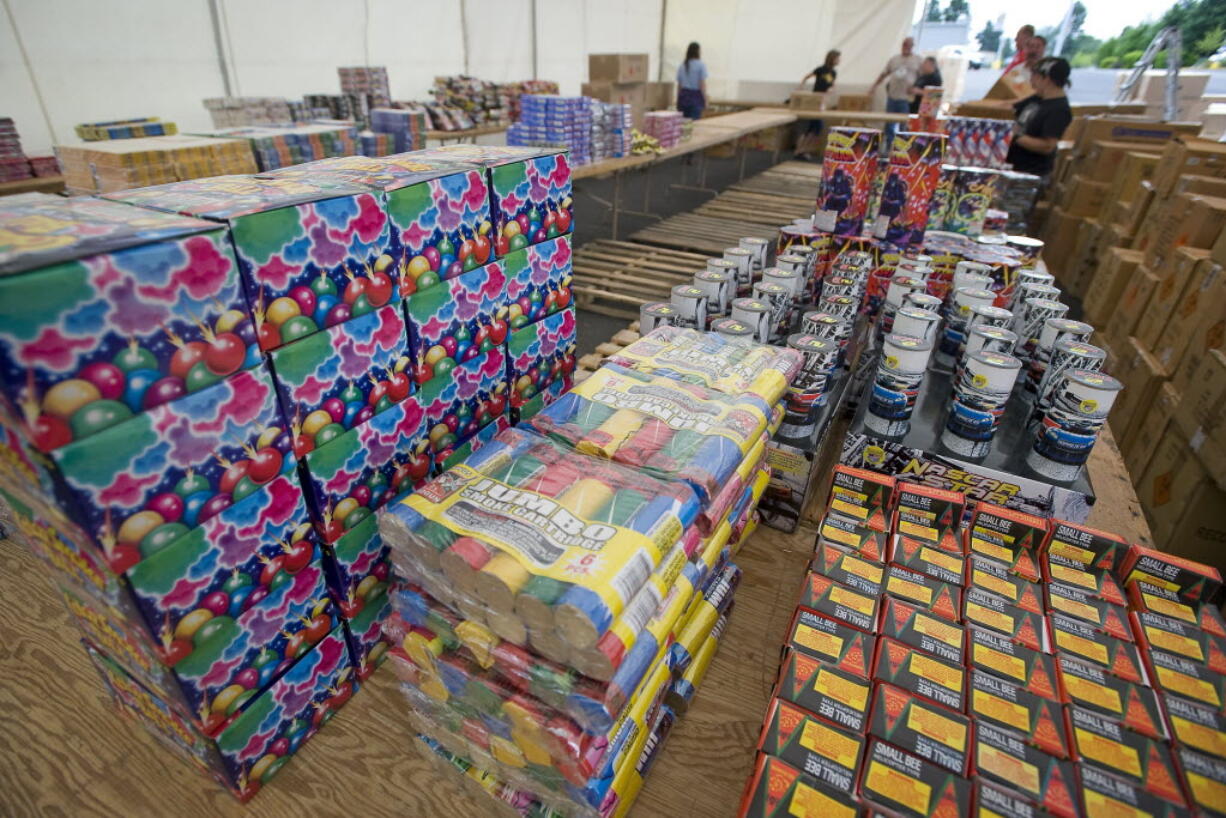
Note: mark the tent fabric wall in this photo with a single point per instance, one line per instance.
(101, 61)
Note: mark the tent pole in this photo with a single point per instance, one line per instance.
(660, 56)
(534, 61)
(464, 33)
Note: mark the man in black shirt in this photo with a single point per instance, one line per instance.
(929, 77)
(1041, 118)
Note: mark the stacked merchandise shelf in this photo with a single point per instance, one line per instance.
(944, 661)
(13, 162)
(125, 129)
(280, 146)
(546, 646)
(106, 167)
(664, 127)
(201, 476)
(555, 121)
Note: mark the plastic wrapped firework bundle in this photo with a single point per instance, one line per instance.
(896, 385)
(979, 396)
(1053, 331)
(1070, 425)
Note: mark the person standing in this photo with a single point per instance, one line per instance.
(1041, 119)
(823, 80)
(1019, 41)
(692, 83)
(929, 77)
(1036, 49)
(901, 71)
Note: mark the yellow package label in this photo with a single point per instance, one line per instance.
(991, 549)
(818, 738)
(910, 792)
(1073, 552)
(810, 803)
(1150, 579)
(1101, 806)
(936, 672)
(645, 608)
(849, 508)
(909, 589)
(1199, 736)
(862, 569)
(1094, 693)
(850, 495)
(1006, 712)
(1115, 755)
(1206, 791)
(917, 530)
(1072, 576)
(852, 694)
(850, 599)
(936, 727)
(942, 631)
(840, 536)
(982, 532)
(1164, 606)
(940, 559)
(1175, 643)
(986, 616)
(1008, 768)
(1011, 666)
(994, 584)
(1081, 646)
(1074, 608)
(824, 643)
(1193, 688)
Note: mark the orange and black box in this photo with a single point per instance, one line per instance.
(1033, 670)
(929, 559)
(905, 785)
(996, 578)
(1091, 547)
(779, 790)
(921, 630)
(1131, 704)
(853, 535)
(1040, 721)
(1152, 599)
(1008, 536)
(939, 598)
(839, 697)
(994, 801)
(1105, 795)
(1005, 757)
(839, 602)
(922, 674)
(1113, 748)
(933, 733)
(1204, 778)
(989, 611)
(1192, 581)
(1083, 641)
(1075, 602)
(848, 569)
(1183, 677)
(831, 641)
(1097, 582)
(823, 751)
(1195, 725)
(863, 495)
(930, 515)
(1158, 632)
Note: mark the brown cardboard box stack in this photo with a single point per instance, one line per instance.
(1137, 229)
(622, 78)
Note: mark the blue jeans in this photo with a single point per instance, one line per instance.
(894, 106)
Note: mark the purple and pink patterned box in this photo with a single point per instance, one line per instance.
(458, 321)
(458, 407)
(538, 281)
(539, 356)
(358, 568)
(107, 310)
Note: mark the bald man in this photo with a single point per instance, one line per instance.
(899, 77)
(1020, 40)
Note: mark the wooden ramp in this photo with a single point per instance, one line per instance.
(704, 234)
(798, 180)
(615, 278)
(758, 208)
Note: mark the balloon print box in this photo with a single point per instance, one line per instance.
(530, 192)
(312, 254)
(459, 407)
(107, 311)
(541, 355)
(254, 747)
(438, 211)
(458, 321)
(357, 570)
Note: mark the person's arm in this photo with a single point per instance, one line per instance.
(807, 77)
(1037, 144)
(702, 79)
(1051, 128)
(880, 77)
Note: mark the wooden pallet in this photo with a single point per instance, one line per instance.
(704, 234)
(615, 278)
(798, 180)
(594, 360)
(759, 208)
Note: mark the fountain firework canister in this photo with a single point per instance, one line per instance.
(1070, 427)
(898, 287)
(791, 279)
(990, 339)
(780, 299)
(740, 273)
(719, 289)
(658, 314)
(810, 256)
(979, 397)
(839, 285)
(916, 323)
(841, 306)
(957, 320)
(1053, 331)
(734, 330)
(971, 274)
(1067, 354)
(900, 373)
(808, 390)
(830, 327)
(989, 315)
(1035, 312)
(1028, 286)
(797, 263)
(758, 247)
(1028, 249)
(756, 314)
(922, 301)
(691, 304)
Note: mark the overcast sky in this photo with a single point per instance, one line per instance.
(1104, 18)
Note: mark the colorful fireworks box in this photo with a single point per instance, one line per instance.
(1006, 758)
(848, 167)
(777, 789)
(932, 733)
(924, 675)
(1131, 704)
(1032, 670)
(541, 355)
(824, 752)
(838, 696)
(358, 572)
(911, 178)
(848, 569)
(904, 784)
(840, 645)
(918, 629)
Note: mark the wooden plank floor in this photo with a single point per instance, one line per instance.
(703, 234)
(616, 277)
(794, 179)
(760, 208)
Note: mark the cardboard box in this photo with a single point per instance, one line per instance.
(1089, 546)
(838, 696)
(1082, 641)
(995, 577)
(1135, 214)
(1188, 265)
(1194, 581)
(920, 673)
(1131, 704)
(1187, 157)
(828, 754)
(1103, 160)
(1144, 761)
(933, 733)
(1085, 256)
(991, 652)
(907, 785)
(1202, 302)
(807, 100)
(1149, 430)
(1105, 794)
(1134, 168)
(1083, 196)
(633, 94)
(1088, 130)
(1060, 237)
(912, 626)
(848, 569)
(1204, 185)
(1006, 704)
(777, 790)
(661, 96)
(1167, 486)
(1004, 756)
(1205, 779)
(1194, 220)
(1117, 267)
(1199, 531)
(621, 68)
(1142, 377)
(1200, 415)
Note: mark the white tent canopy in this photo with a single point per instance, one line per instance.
(63, 62)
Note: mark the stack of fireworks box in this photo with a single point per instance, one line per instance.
(277, 147)
(664, 127)
(13, 162)
(212, 387)
(561, 591)
(105, 167)
(549, 119)
(405, 128)
(992, 663)
(612, 124)
(124, 129)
